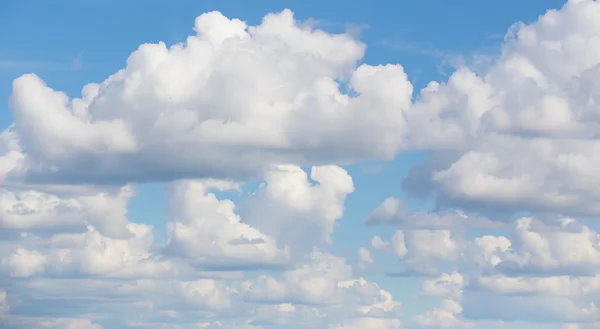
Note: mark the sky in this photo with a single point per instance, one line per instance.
(299, 164)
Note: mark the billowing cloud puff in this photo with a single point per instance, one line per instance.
(250, 128)
(229, 102)
(32, 210)
(520, 136)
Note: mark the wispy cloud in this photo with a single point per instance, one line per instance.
(351, 28)
(27, 64)
(408, 47)
(496, 36)
(77, 62)
(19, 64)
(478, 60)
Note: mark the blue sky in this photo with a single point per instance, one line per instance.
(68, 44)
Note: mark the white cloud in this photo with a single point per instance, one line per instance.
(284, 218)
(521, 134)
(288, 108)
(365, 260)
(4, 307)
(24, 263)
(515, 143)
(378, 243)
(446, 285)
(327, 279)
(208, 232)
(291, 208)
(363, 323)
(565, 286)
(38, 211)
(570, 248)
(422, 250)
(51, 323)
(444, 316)
(393, 211)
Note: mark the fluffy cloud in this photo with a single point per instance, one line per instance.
(521, 135)
(444, 316)
(365, 260)
(446, 285)
(538, 268)
(511, 161)
(198, 273)
(284, 218)
(293, 209)
(36, 211)
(3, 305)
(327, 282)
(422, 251)
(393, 211)
(140, 123)
(209, 232)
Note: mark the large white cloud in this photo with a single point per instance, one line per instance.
(241, 97)
(521, 135)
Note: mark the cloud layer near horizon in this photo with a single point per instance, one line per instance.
(513, 153)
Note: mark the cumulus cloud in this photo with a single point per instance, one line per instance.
(36, 211)
(140, 123)
(208, 232)
(365, 260)
(272, 113)
(327, 279)
(393, 211)
(446, 285)
(422, 251)
(444, 316)
(521, 135)
(291, 208)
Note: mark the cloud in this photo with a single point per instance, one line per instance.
(540, 267)
(444, 316)
(446, 285)
(422, 251)
(199, 273)
(291, 208)
(31, 64)
(378, 243)
(288, 108)
(37, 211)
(511, 158)
(365, 260)
(393, 211)
(207, 232)
(521, 135)
(326, 281)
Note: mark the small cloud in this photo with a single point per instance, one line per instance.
(378, 243)
(355, 29)
(77, 62)
(408, 47)
(311, 23)
(19, 64)
(495, 36)
(10, 64)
